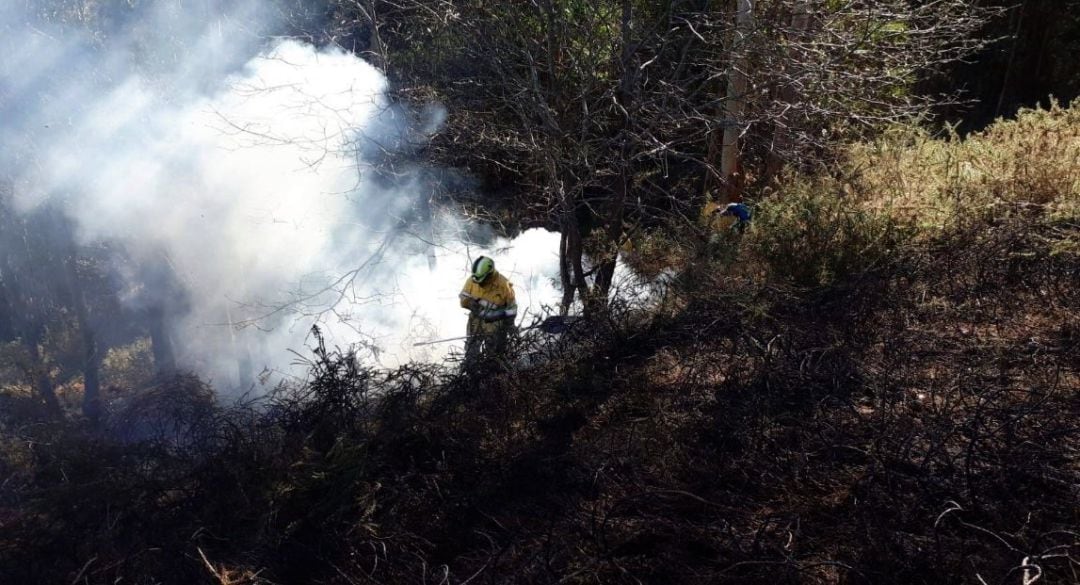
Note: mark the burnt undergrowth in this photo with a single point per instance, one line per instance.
(915, 420)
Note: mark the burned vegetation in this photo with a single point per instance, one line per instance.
(916, 419)
(874, 380)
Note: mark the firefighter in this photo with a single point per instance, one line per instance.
(740, 212)
(489, 297)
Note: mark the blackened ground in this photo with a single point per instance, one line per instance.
(917, 421)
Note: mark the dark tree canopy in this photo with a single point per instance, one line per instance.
(1035, 58)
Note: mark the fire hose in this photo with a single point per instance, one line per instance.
(553, 324)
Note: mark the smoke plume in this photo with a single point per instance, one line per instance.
(247, 180)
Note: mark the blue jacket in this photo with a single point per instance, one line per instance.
(740, 211)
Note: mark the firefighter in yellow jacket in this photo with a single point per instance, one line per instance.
(489, 297)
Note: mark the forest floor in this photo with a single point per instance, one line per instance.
(862, 389)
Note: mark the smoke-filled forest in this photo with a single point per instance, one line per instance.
(550, 291)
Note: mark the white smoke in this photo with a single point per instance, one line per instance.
(261, 190)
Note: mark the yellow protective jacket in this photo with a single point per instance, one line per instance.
(495, 297)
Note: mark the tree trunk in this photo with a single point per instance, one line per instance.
(91, 357)
(1012, 61)
(781, 142)
(735, 104)
(564, 274)
(7, 328)
(38, 372)
(571, 269)
(607, 257)
(245, 377)
(376, 52)
(605, 275)
(615, 210)
(7, 309)
(160, 342)
(25, 319)
(91, 378)
(29, 332)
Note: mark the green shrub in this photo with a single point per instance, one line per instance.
(812, 237)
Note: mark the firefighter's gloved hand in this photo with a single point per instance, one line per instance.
(491, 315)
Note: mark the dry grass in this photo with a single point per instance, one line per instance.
(886, 200)
(1014, 167)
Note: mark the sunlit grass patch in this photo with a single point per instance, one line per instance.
(1030, 165)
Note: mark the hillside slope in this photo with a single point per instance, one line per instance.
(854, 392)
